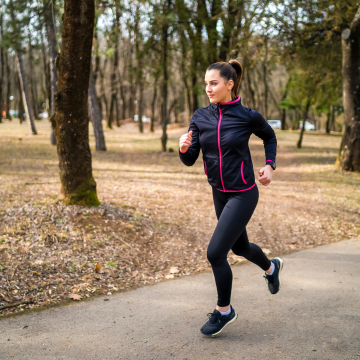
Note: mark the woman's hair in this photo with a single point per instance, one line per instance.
(229, 70)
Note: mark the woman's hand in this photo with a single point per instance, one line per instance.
(185, 141)
(265, 175)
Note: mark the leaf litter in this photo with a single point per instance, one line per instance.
(157, 216)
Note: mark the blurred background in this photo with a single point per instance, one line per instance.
(290, 51)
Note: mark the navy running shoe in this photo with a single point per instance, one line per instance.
(217, 322)
(274, 282)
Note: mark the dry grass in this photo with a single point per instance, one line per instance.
(157, 213)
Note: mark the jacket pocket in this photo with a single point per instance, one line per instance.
(205, 169)
(242, 172)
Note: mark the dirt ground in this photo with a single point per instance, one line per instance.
(156, 217)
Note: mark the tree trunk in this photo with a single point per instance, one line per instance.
(23, 83)
(8, 90)
(25, 94)
(176, 112)
(71, 117)
(349, 152)
(165, 37)
(114, 83)
(328, 120)
(102, 89)
(46, 66)
(195, 102)
(21, 104)
(183, 69)
(332, 126)
(97, 64)
(252, 92)
(139, 54)
(141, 110)
(229, 26)
(122, 95)
(32, 82)
(21, 109)
(152, 120)
(305, 114)
(283, 120)
(95, 115)
(283, 115)
(265, 93)
(50, 30)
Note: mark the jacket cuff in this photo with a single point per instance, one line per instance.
(184, 151)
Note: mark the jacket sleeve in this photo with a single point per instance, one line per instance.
(192, 153)
(265, 132)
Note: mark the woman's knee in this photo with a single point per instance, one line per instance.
(243, 251)
(214, 256)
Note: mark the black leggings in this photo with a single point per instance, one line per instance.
(233, 211)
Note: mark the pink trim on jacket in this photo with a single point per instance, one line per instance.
(222, 182)
(236, 190)
(242, 174)
(231, 102)
(268, 160)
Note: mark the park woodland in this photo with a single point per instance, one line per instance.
(94, 97)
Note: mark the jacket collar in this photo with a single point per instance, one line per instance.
(235, 102)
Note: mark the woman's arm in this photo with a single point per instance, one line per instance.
(265, 132)
(189, 147)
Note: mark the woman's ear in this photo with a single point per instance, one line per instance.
(230, 84)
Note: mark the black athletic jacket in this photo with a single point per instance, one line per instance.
(222, 131)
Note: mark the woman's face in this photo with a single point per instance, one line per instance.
(217, 89)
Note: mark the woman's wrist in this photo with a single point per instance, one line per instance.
(183, 149)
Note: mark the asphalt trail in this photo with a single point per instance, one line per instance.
(316, 315)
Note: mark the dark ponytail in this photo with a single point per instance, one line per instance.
(231, 70)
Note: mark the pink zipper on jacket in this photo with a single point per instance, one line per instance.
(222, 182)
(220, 118)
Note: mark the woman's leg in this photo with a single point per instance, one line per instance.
(251, 252)
(233, 213)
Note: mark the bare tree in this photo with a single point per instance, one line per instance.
(349, 152)
(71, 117)
(23, 82)
(95, 115)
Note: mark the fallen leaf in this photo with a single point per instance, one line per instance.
(75, 296)
(169, 276)
(5, 298)
(75, 290)
(174, 270)
(98, 267)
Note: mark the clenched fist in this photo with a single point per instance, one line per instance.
(185, 141)
(265, 175)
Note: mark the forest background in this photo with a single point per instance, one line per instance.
(145, 60)
(290, 51)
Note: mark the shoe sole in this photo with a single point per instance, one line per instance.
(231, 321)
(280, 268)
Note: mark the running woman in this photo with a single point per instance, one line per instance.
(222, 131)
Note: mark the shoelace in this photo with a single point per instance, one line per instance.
(213, 316)
(268, 278)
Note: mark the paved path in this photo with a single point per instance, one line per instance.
(316, 315)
